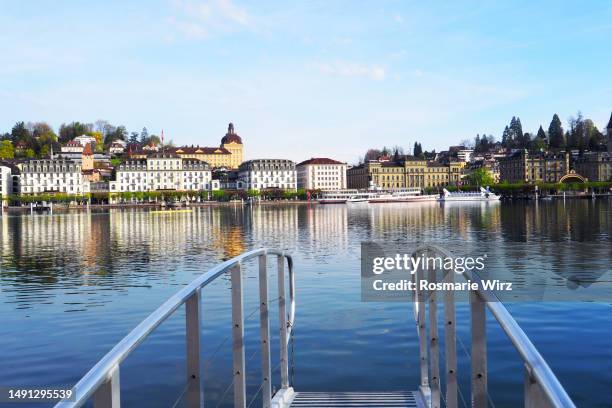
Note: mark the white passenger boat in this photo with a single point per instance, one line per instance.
(337, 197)
(482, 195)
(361, 197)
(405, 195)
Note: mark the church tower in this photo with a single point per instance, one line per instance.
(233, 143)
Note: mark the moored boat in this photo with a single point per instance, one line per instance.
(336, 197)
(482, 195)
(396, 196)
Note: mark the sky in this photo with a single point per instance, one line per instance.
(306, 79)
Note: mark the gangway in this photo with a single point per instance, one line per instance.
(542, 389)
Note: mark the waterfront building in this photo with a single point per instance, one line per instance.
(227, 179)
(51, 176)
(162, 171)
(522, 166)
(264, 174)
(404, 172)
(229, 154)
(321, 174)
(595, 166)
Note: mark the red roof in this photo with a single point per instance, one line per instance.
(319, 160)
(87, 151)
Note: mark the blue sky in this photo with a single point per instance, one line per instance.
(303, 79)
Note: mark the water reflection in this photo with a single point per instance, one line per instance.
(120, 248)
(110, 269)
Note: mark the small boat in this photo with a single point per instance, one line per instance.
(482, 195)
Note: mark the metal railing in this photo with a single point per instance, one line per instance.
(541, 386)
(102, 385)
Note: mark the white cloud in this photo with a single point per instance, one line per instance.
(198, 19)
(347, 69)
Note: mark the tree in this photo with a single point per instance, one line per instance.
(144, 136)
(30, 153)
(541, 134)
(399, 150)
(99, 136)
(134, 137)
(6, 150)
(516, 130)
(19, 132)
(556, 139)
(483, 144)
(539, 143)
(417, 151)
(154, 139)
(69, 131)
(506, 138)
(38, 129)
(595, 139)
(481, 177)
(101, 125)
(119, 133)
(396, 156)
(513, 136)
(371, 154)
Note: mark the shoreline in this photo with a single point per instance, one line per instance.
(68, 208)
(64, 207)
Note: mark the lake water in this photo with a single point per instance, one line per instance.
(72, 285)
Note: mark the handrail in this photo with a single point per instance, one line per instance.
(538, 371)
(105, 370)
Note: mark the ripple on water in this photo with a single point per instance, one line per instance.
(73, 285)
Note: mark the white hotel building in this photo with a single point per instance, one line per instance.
(264, 174)
(162, 171)
(52, 176)
(321, 174)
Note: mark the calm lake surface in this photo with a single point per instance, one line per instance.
(72, 285)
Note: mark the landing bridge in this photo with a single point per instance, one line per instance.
(541, 387)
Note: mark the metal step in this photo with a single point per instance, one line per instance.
(404, 399)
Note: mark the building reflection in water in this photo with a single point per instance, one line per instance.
(124, 247)
(320, 225)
